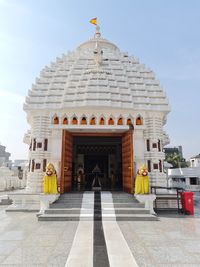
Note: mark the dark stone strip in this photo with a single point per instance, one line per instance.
(100, 255)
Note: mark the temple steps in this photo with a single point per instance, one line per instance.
(106, 211)
(123, 208)
(5, 200)
(74, 217)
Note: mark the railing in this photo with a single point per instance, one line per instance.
(192, 187)
(167, 195)
(185, 186)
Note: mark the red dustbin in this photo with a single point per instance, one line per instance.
(187, 202)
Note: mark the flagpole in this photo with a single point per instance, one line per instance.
(97, 33)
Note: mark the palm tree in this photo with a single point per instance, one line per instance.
(175, 159)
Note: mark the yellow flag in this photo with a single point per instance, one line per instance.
(94, 21)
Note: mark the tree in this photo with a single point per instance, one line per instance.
(176, 160)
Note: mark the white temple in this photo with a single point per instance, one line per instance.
(96, 105)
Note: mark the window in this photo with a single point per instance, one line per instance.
(37, 166)
(44, 165)
(74, 120)
(34, 144)
(83, 121)
(159, 145)
(93, 121)
(139, 121)
(102, 121)
(45, 144)
(154, 145)
(148, 145)
(149, 165)
(33, 165)
(56, 120)
(39, 145)
(129, 122)
(30, 145)
(155, 166)
(110, 121)
(120, 121)
(160, 165)
(65, 121)
(193, 181)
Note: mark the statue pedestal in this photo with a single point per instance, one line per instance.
(148, 200)
(46, 200)
(24, 201)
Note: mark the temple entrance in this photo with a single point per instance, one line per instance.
(97, 162)
(96, 165)
(103, 160)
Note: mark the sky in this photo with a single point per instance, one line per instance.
(163, 34)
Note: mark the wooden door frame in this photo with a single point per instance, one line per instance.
(63, 167)
(128, 187)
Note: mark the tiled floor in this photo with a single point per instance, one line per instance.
(26, 242)
(172, 241)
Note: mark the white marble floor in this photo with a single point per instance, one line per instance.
(119, 253)
(81, 253)
(26, 242)
(173, 241)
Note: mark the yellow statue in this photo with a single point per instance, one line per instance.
(50, 180)
(142, 181)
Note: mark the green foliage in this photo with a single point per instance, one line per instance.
(176, 160)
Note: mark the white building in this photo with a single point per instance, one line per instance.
(187, 178)
(9, 180)
(4, 157)
(96, 105)
(195, 161)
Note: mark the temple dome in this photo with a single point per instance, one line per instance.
(97, 73)
(103, 43)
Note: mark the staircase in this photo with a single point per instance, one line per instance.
(68, 208)
(118, 206)
(5, 200)
(127, 208)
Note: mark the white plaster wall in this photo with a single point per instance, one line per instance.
(138, 148)
(56, 150)
(195, 162)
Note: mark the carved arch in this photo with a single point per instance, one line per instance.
(55, 119)
(102, 120)
(120, 120)
(65, 120)
(74, 120)
(92, 120)
(139, 120)
(83, 120)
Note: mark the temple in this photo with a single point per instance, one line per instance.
(96, 106)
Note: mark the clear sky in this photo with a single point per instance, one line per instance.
(163, 34)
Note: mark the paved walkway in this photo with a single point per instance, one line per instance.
(172, 241)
